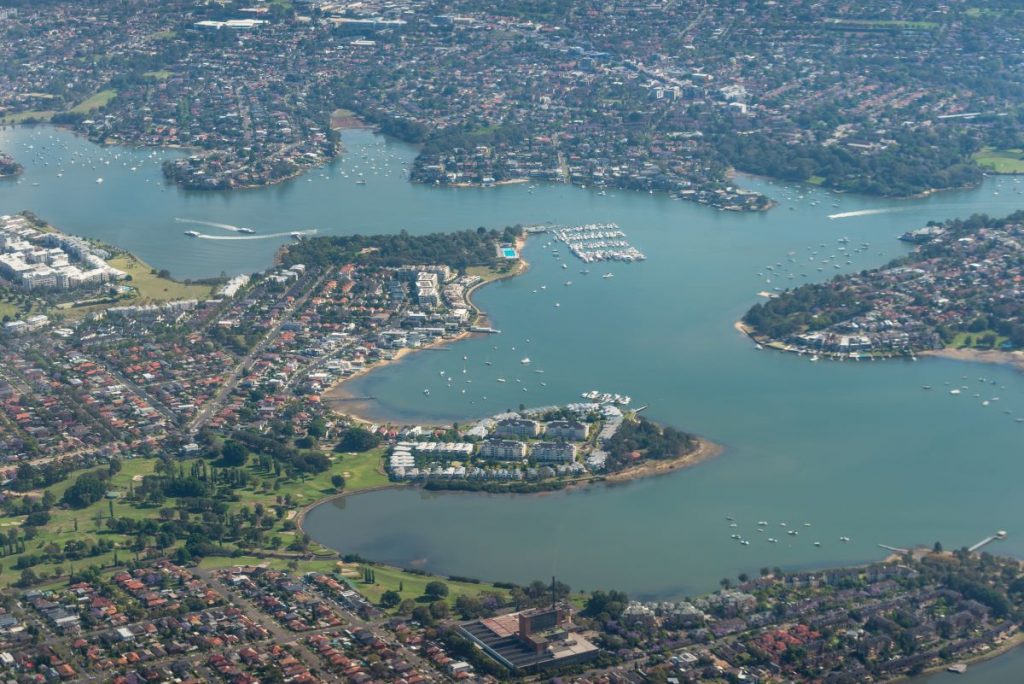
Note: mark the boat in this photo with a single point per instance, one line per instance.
(501, 379)
(525, 360)
(426, 392)
(248, 231)
(360, 182)
(957, 668)
(817, 543)
(99, 180)
(192, 233)
(568, 283)
(954, 391)
(608, 275)
(926, 387)
(296, 235)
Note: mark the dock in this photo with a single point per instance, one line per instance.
(894, 549)
(998, 536)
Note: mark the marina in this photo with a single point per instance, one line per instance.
(597, 242)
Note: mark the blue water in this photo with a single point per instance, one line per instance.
(856, 449)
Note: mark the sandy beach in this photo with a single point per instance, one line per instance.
(1013, 358)
(341, 400)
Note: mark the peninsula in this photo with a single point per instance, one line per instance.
(958, 293)
(8, 167)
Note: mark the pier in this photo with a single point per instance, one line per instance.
(998, 536)
(894, 549)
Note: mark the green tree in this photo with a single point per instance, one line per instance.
(436, 589)
(390, 598)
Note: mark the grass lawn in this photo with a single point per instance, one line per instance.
(8, 309)
(98, 100)
(960, 340)
(816, 180)
(1009, 160)
(220, 562)
(414, 586)
(361, 471)
(151, 287)
(487, 273)
(161, 75)
(21, 117)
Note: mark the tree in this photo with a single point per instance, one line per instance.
(436, 589)
(390, 598)
(937, 548)
(439, 610)
(357, 439)
(421, 614)
(87, 489)
(233, 454)
(338, 481)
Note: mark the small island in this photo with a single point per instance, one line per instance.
(957, 294)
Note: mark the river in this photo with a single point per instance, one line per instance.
(854, 449)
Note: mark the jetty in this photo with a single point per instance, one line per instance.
(894, 549)
(998, 536)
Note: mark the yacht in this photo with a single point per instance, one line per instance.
(608, 275)
(426, 392)
(501, 379)
(248, 231)
(192, 233)
(525, 360)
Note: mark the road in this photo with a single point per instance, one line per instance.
(243, 366)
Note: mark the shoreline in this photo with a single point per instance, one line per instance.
(705, 451)
(994, 356)
(1011, 358)
(1010, 644)
(335, 395)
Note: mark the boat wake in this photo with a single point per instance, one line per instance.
(225, 226)
(867, 212)
(268, 236)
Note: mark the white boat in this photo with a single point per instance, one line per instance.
(608, 275)
(248, 231)
(426, 392)
(525, 360)
(501, 379)
(99, 180)
(192, 233)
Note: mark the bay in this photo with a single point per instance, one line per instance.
(855, 449)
